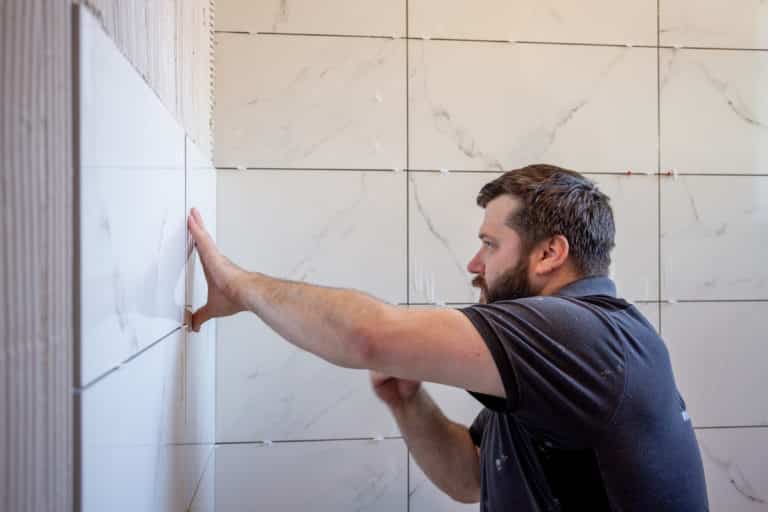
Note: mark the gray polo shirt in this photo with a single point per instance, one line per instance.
(593, 419)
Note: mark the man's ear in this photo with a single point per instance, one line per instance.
(551, 254)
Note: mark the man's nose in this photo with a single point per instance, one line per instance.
(475, 266)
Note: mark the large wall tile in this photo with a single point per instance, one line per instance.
(335, 228)
(131, 211)
(718, 353)
(714, 237)
(496, 106)
(714, 23)
(129, 458)
(591, 21)
(713, 115)
(268, 389)
(321, 476)
(361, 17)
(736, 468)
(427, 497)
(443, 240)
(327, 102)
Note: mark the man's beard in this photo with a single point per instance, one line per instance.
(512, 284)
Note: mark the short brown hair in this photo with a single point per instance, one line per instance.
(558, 201)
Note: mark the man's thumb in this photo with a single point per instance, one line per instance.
(199, 317)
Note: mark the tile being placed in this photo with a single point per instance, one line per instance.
(325, 102)
(713, 115)
(718, 353)
(591, 21)
(129, 459)
(344, 17)
(714, 23)
(369, 476)
(445, 221)
(484, 106)
(131, 208)
(736, 468)
(714, 237)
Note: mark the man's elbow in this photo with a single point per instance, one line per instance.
(469, 494)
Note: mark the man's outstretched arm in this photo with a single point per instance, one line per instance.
(350, 328)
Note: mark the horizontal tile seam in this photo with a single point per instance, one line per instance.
(632, 173)
(493, 41)
(318, 440)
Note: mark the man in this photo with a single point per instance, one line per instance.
(582, 411)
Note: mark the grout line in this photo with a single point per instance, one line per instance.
(407, 214)
(726, 427)
(319, 440)
(407, 157)
(638, 301)
(408, 37)
(632, 173)
(658, 161)
(79, 390)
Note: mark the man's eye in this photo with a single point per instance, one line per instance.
(488, 244)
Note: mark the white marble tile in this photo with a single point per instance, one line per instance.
(736, 468)
(590, 21)
(486, 106)
(286, 101)
(714, 23)
(334, 228)
(129, 420)
(427, 497)
(445, 220)
(131, 219)
(359, 17)
(366, 476)
(714, 237)
(713, 115)
(341, 229)
(718, 354)
(267, 389)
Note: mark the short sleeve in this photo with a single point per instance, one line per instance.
(561, 362)
(477, 429)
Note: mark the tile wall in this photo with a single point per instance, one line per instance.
(144, 396)
(351, 140)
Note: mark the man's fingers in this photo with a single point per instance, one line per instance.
(199, 317)
(198, 217)
(203, 240)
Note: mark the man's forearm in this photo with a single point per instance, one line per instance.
(443, 449)
(328, 322)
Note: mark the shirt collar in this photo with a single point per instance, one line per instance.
(597, 285)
